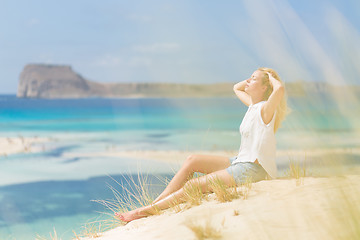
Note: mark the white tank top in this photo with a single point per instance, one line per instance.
(258, 140)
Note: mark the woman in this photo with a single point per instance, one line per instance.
(263, 92)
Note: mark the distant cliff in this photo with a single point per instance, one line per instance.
(60, 81)
(50, 81)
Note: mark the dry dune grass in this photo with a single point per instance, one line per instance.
(222, 192)
(297, 171)
(225, 193)
(342, 206)
(204, 231)
(53, 236)
(193, 194)
(139, 195)
(133, 194)
(93, 229)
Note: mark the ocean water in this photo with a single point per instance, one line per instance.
(54, 186)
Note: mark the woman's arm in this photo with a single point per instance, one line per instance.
(269, 107)
(239, 90)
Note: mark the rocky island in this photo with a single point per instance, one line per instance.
(60, 81)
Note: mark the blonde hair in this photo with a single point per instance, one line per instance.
(282, 109)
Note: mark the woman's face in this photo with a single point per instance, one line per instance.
(254, 84)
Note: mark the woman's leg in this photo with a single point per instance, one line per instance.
(177, 196)
(194, 163)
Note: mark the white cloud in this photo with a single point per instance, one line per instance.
(123, 61)
(109, 61)
(44, 57)
(157, 48)
(139, 62)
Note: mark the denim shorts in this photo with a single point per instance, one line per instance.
(246, 171)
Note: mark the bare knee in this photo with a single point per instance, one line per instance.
(191, 158)
(196, 184)
(191, 161)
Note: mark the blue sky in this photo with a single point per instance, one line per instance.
(188, 41)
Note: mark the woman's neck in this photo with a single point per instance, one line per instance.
(255, 100)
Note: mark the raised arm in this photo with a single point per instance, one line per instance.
(239, 90)
(269, 107)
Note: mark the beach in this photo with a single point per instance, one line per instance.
(324, 204)
(20, 144)
(58, 156)
(103, 102)
(317, 208)
(318, 161)
(23, 145)
(284, 208)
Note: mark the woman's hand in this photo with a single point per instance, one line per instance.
(269, 108)
(239, 90)
(240, 86)
(276, 84)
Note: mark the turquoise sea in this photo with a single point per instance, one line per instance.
(53, 187)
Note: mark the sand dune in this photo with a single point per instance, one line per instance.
(313, 208)
(318, 208)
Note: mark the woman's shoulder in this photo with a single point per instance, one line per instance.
(258, 105)
(266, 120)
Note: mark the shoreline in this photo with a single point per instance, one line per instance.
(110, 160)
(20, 144)
(292, 204)
(176, 156)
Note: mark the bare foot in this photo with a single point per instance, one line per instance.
(130, 216)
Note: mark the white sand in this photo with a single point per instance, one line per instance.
(177, 156)
(168, 156)
(319, 208)
(12, 145)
